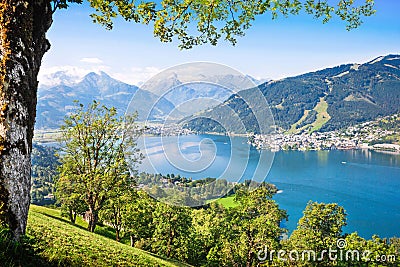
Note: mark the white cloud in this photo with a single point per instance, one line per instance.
(91, 60)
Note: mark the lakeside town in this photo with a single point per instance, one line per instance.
(381, 134)
(161, 129)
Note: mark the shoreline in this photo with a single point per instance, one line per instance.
(51, 136)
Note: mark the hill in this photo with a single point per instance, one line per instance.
(324, 100)
(55, 242)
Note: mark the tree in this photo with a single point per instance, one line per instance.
(137, 218)
(373, 252)
(116, 206)
(208, 226)
(70, 197)
(23, 27)
(252, 225)
(95, 145)
(172, 229)
(22, 46)
(319, 229)
(395, 249)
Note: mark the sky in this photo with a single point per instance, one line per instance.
(271, 49)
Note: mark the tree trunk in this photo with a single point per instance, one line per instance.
(117, 238)
(23, 25)
(169, 243)
(249, 259)
(93, 218)
(250, 251)
(132, 240)
(72, 216)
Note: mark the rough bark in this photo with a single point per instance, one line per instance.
(72, 216)
(23, 25)
(93, 218)
(117, 222)
(117, 237)
(132, 240)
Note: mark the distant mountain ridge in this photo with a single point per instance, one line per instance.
(327, 99)
(55, 102)
(60, 89)
(191, 94)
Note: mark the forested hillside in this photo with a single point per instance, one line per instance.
(324, 100)
(44, 174)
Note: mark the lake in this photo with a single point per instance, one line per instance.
(365, 183)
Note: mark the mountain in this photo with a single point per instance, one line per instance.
(324, 100)
(192, 90)
(59, 78)
(54, 102)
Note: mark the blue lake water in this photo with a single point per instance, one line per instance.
(365, 183)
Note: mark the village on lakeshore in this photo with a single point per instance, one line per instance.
(367, 135)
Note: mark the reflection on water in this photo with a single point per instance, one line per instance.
(201, 156)
(323, 156)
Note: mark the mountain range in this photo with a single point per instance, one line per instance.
(197, 86)
(324, 100)
(57, 93)
(54, 102)
(328, 99)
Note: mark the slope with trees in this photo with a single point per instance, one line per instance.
(52, 241)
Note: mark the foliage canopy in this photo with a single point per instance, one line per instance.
(196, 22)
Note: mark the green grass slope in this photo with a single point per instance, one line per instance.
(227, 201)
(58, 243)
(322, 117)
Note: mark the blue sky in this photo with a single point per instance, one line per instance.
(271, 48)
